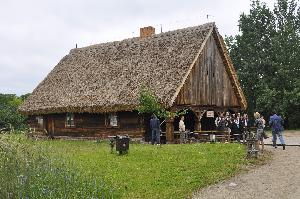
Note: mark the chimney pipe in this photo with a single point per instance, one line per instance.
(147, 32)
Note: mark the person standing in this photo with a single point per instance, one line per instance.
(244, 122)
(182, 129)
(244, 125)
(264, 125)
(217, 120)
(222, 123)
(229, 122)
(276, 123)
(155, 129)
(237, 131)
(239, 122)
(259, 124)
(233, 126)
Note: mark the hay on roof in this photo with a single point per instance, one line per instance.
(107, 77)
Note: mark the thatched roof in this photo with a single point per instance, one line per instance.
(107, 77)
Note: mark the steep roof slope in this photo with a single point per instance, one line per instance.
(107, 77)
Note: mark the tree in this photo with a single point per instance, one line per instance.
(9, 114)
(266, 57)
(149, 103)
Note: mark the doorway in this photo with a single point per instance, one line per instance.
(49, 123)
(189, 121)
(208, 120)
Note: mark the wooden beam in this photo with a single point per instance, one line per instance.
(170, 130)
(199, 115)
(204, 108)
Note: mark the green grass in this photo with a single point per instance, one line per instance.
(167, 171)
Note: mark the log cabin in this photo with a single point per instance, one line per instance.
(94, 91)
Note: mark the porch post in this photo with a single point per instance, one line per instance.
(170, 130)
(199, 115)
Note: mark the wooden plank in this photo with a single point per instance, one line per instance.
(192, 65)
(208, 83)
(93, 125)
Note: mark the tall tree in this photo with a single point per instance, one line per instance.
(266, 57)
(9, 115)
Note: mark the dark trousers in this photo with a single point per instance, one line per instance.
(155, 136)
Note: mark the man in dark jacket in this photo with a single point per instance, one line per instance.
(155, 129)
(276, 123)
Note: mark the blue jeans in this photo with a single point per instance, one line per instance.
(274, 135)
(155, 136)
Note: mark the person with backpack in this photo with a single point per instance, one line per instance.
(276, 123)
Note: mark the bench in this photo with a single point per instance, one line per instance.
(221, 136)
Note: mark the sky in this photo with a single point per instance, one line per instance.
(36, 34)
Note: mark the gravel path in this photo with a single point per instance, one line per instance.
(278, 179)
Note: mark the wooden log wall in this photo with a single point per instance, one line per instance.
(95, 125)
(34, 125)
(208, 84)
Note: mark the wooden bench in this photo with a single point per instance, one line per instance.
(221, 136)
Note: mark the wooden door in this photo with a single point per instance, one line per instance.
(50, 125)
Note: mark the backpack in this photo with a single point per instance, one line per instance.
(259, 124)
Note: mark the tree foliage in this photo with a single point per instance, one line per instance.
(149, 103)
(9, 114)
(266, 57)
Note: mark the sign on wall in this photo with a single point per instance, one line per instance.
(210, 114)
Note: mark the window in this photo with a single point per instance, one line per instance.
(70, 120)
(40, 121)
(113, 119)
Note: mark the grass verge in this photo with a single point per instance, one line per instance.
(84, 169)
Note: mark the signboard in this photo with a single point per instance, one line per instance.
(210, 114)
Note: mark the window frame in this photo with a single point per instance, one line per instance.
(40, 120)
(68, 122)
(116, 116)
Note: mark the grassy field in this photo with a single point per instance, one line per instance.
(85, 169)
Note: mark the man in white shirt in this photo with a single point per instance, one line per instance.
(182, 129)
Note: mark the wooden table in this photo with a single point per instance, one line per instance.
(222, 136)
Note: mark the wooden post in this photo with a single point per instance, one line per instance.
(170, 130)
(199, 115)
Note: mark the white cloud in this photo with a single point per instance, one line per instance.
(36, 34)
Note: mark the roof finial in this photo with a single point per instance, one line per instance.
(207, 16)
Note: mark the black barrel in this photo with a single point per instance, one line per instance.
(122, 144)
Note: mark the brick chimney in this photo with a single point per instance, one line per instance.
(147, 32)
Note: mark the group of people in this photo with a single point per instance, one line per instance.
(235, 124)
(276, 124)
(155, 129)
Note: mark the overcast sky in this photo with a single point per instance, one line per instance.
(36, 34)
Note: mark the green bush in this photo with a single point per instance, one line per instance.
(9, 115)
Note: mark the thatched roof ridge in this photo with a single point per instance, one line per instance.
(107, 77)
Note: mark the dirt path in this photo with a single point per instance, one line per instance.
(279, 179)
